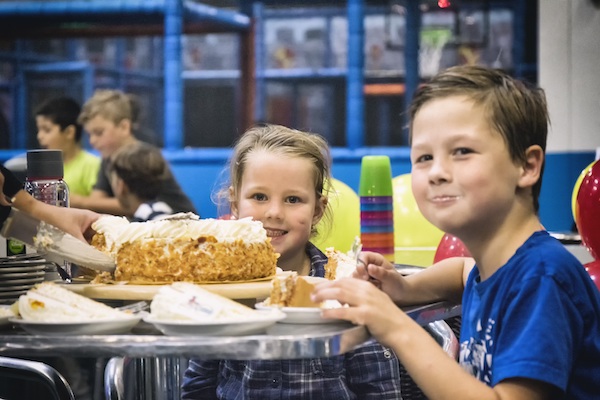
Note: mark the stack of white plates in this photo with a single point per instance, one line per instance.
(18, 274)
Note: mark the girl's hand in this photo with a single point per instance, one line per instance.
(366, 305)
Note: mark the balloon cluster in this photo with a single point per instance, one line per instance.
(586, 211)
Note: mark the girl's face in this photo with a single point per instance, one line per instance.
(279, 191)
(463, 178)
(50, 136)
(105, 136)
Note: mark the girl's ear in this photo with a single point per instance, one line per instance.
(233, 202)
(532, 168)
(320, 207)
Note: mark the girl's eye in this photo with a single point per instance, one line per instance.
(293, 199)
(259, 197)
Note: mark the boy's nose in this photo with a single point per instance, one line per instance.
(439, 171)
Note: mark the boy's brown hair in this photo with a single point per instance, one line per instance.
(514, 109)
(142, 168)
(112, 105)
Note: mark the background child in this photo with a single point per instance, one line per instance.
(531, 313)
(138, 172)
(277, 177)
(58, 129)
(107, 118)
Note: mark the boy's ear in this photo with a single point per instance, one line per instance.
(125, 124)
(70, 132)
(320, 207)
(532, 168)
(233, 202)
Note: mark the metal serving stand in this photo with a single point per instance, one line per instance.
(158, 357)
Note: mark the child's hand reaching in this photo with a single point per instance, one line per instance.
(366, 305)
(373, 267)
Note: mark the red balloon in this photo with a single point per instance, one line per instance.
(450, 246)
(593, 268)
(588, 214)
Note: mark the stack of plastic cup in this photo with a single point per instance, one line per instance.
(377, 206)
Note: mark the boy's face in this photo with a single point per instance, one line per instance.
(463, 178)
(106, 136)
(279, 191)
(50, 136)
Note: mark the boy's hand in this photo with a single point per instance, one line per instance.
(373, 267)
(365, 305)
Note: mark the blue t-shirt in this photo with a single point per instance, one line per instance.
(537, 317)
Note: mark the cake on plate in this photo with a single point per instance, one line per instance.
(184, 301)
(292, 290)
(48, 302)
(339, 265)
(183, 247)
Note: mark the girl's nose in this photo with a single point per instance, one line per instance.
(274, 210)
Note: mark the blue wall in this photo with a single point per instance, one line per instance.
(201, 171)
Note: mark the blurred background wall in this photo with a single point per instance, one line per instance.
(205, 71)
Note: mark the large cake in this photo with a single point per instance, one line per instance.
(186, 248)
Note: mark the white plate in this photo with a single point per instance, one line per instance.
(12, 282)
(100, 327)
(218, 328)
(4, 316)
(300, 315)
(7, 270)
(4, 289)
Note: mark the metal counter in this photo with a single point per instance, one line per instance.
(157, 361)
(282, 341)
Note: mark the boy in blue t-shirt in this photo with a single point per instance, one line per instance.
(530, 312)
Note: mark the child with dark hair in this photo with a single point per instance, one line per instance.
(138, 172)
(58, 129)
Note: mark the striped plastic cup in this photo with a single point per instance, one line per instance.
(377, 206)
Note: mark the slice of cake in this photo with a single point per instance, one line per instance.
(339, 265)
(183, 247)
(291, 291)
(48, 302)
(182, 301)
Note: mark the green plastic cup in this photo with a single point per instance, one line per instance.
(375, 177)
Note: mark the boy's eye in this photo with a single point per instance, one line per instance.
(259, 197)
(423, 158)
(462, 151)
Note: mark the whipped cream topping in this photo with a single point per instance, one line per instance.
(117, 230)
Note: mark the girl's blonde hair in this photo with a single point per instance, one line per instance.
(281, 140)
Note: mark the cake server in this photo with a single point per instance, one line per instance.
(54, 242)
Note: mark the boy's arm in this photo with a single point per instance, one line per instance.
(441, 281)
(98, 201)
(444, 280)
